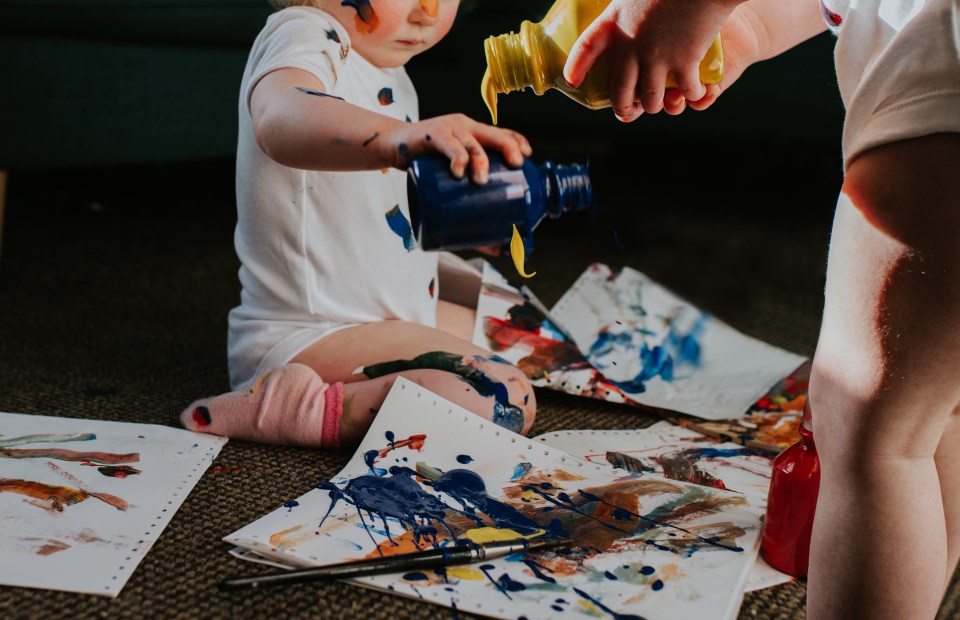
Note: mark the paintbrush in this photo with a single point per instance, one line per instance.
(466, 553)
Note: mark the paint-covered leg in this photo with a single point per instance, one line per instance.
(290, 405)
(479, 372)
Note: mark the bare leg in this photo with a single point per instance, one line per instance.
(947, 459)
(884, 386)
(368, 358)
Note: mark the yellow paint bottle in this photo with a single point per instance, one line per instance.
(536, 55)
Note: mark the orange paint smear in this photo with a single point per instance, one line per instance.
(430, 7)
(414, 442)
(55, 498)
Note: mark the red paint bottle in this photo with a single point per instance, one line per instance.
(785, 542)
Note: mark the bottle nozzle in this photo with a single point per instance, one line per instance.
(569, 188)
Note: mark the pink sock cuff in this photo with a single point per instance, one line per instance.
(332, 412)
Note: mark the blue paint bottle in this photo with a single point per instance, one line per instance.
(454, 214)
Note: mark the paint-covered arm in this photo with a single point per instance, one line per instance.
(298, 125)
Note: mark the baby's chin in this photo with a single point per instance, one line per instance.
(388, 58)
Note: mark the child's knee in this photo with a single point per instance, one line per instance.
(522, 396)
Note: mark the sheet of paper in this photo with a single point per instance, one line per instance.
(663, 352)
(515, 325)
(663, 449)
(82, 501)
(430, 473)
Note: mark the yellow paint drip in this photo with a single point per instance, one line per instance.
(519, 253)
(488, 91)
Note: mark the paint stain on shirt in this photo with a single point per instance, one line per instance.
(399, 224)
(385, 96)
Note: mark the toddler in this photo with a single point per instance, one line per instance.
(885, 382)
(337, 300)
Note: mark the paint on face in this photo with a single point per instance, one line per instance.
(316, 93)
(505, 414)
(366, 18)
(118, 471)
(371, 139)
(385, 96)
(399, 224)
(430, 7)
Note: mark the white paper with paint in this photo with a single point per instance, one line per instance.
(664, 449)
(664, 352)
(517, 327)
(82, 501)
(645, 546)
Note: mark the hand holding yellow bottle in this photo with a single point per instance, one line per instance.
(636, 38)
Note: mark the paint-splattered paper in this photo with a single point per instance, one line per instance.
(514, 324)
(772, 422)
(430, 473)
(663, 449)
(663, 352)
(82, 501)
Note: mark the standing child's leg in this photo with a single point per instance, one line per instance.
(885, 387)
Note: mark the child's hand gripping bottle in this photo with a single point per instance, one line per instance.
(447, 213)
(785, 542)
(535, 57)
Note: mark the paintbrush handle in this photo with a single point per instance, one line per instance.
(431, 558)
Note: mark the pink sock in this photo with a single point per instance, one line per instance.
(290, 405)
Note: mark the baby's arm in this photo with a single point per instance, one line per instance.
(299, 125)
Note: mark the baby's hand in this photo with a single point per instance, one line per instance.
(641, 39)
(461, 139)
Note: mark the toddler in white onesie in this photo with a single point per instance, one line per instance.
(337, 299)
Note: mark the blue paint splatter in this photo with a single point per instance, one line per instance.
(291, 505)
(416, 576)
(647, 570)
(521, 470)
(399, 224)
(464, 459)
(390, 437)
(657, 585)
(370, 458)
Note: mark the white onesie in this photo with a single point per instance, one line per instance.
(320, 251)
(898, 66)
